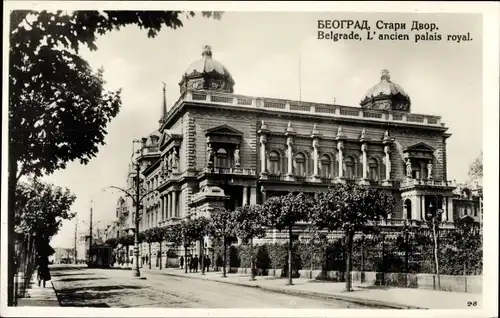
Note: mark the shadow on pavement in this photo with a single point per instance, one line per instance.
(72, 279)
(375, 287)
(84, 296)
(68, 274)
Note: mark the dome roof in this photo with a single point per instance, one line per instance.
(386, 95)
(207, 73)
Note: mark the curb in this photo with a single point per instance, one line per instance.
(356, 300)
(57, 295)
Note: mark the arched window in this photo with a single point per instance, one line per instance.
(373, 169)
(325, 164)
(407, 207)
(300, 165)
(274, 162)
(222, 158)
(349, 167)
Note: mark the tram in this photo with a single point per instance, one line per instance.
(99, 256)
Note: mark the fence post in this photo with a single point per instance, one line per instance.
(465, 275)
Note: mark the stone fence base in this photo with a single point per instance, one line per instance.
(468, 284)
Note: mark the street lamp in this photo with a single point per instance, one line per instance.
(137, 199)
(433, 218)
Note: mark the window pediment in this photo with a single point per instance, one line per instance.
(224, 134)
(419, 150)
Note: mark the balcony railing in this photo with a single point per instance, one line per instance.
(236, 171)
(427, 182)
(328, 110)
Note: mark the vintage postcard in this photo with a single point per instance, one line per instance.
(250, 159)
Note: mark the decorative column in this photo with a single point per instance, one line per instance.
(162, 207)
(387, 150)
(174, 204)
(315, 135)
(245, 195)
(263, 140)
(340, 146)
(253, 195)
(289, 133)
(364, 148)
(169, 203)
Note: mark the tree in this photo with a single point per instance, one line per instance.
(352, 208)
(149, 238)
(283, 212)
(181, 236)
(58, 107)
(476, 170)
(249, 225)
(222, 226)
(196, 230)
(41, 207)
(158, 234)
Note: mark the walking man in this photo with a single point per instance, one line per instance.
(181, 260)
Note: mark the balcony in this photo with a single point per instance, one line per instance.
(230, 171)
(327, 110)
(408, 183)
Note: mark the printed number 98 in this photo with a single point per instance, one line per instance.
(472, 303)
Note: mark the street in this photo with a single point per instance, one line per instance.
(85, 287)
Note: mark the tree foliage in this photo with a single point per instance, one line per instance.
(281, 212)
(248, 221)
(476, 170)
(41, 207)
(351, 207)
(222, 223)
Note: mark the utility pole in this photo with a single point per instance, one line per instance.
(76, 234)
(137, 273)
(90, 234)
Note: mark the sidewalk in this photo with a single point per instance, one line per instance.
(377, 296)
(39, 296)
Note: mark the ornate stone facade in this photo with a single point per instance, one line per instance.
(216, 148)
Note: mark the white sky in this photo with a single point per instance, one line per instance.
(262, 50)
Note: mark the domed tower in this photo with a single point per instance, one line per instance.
(386, 95)
(207, 74)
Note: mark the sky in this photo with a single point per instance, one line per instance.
(262, 51)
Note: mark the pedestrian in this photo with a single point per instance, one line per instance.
(207, 262)
(181, 260)
(43, 271)
(195, 263)
(191, 264)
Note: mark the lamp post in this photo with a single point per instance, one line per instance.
(433, 217)
(137, 199)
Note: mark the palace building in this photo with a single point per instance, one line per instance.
(217, 148)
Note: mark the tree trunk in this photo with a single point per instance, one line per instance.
(202, 255)
(149, 252)
(224, 258)
(436, 259)
(186, 264)
(11, 243)
(252, 263)
(161, 255)
(348, 281)
(290, 244)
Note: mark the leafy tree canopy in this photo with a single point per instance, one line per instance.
(351, 207)
(222, 223)
(249, 222)
(41, 207)
(59, 108)
(476, 170)
(281, 212)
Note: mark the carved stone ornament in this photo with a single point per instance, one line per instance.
(364, 148)
(175, 159)
(408, 168)
(340, 133)
(363, 134)
(429, 170)
(263, 139)
(263, 125)
(387, 149)
(315, 143)
(340, 145)
(289, 141)
(236, 157)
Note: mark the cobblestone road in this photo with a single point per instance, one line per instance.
(84, 287)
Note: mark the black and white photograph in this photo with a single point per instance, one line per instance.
(249, 159)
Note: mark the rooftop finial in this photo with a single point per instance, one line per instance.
(385, 75)
(207, 51)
